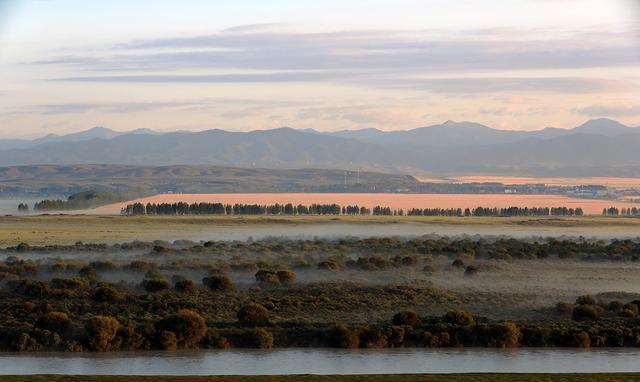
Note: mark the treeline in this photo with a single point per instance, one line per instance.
(183, 208)
(509, 211)
(613, 211)
(83, 200)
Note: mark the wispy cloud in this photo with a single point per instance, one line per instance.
(375, 50)
(609, 110)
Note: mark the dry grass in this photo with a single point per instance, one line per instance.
(67, 229)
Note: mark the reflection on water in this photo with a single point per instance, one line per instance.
(324, 361)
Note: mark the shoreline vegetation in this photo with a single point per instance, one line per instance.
(297, 293)
(470, 377)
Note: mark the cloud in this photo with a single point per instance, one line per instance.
(510, 84)
(451, 85)
(374, 50)
(609, 110)
(212, 78)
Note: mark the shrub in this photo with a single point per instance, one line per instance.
(29, 287)
(155, 285)
(88, 273)
(615, 306)
(626, 313)
(586, 312)
(459, 318)
(189, 327)
(218, 283)
(585, 300)
(100, 331)
(57, 322)
(140, 266)
(258, 338)
(253, 315)
(457, 263)
(470, 270)
(581, 339)
(107, 293)
(564, 308)
(266, 277)
(168, 340)
(213, 340)
(286, 277)
(329, 265)
(408, 318)
(345, 337)
(631, 307)
(507, 335)
(74, 283)
(185, 286)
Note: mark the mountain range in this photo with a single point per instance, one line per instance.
(599, 147)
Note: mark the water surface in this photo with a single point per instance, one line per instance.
(324, 361)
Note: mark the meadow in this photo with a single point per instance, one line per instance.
(67, 229)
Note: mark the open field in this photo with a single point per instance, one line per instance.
(394, 201)
(67, 229)
(604, 181)
(621, 377)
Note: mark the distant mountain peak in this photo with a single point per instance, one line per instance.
(603, 126)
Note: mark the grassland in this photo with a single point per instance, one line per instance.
(620, 377)
(67, 229)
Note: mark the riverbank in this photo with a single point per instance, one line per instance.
(481, 377)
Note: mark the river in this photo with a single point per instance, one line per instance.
(324, 361)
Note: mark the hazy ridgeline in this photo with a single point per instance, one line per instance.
(183, 208)
(349, 292)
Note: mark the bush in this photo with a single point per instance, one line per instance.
(631, 307)
(107, 294)
(29, 287)
(253, 315)
(218, 283)
(286, 277)
(257, 338)
(586, 312)
(266, 277)
(88, 273)
(470, 270)
(457, 263)
(507, 335)
(155, 285)
(329, 265)
(187, 325)
(168, 340)
(564, 308)
(100, 332)
(585, 300)
(345, 337)
(408, 318)
(459, 318)
(615, 306)
(74, 283)
(185, 286)
(57, 322)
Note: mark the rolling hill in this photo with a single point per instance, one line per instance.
(600, 147)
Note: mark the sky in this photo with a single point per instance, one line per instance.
(67, 66)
